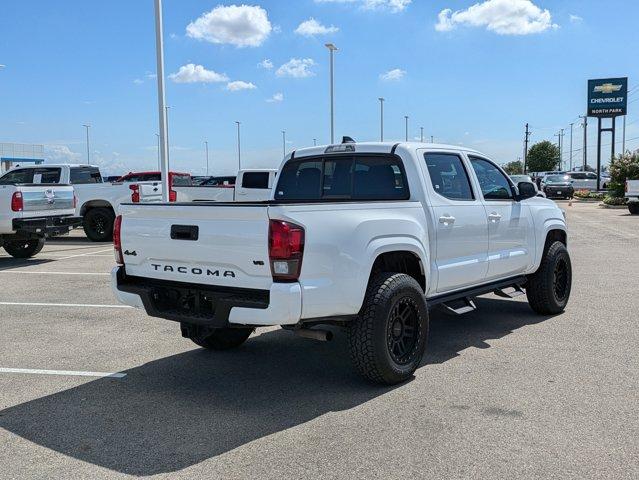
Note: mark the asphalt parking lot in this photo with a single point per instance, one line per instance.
(502, 393)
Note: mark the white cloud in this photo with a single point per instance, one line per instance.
(394, 6)
(504, 17)
(239, 85)
(312, 27)
(242, 26)
(138, 81)
(62, 154)
(2, 65)
(266, 64)
(276, 98)
(393, 75)
(192, 73)
(150, 75)
(296, 68)
(575, 18)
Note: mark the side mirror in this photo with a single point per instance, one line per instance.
(526, 190)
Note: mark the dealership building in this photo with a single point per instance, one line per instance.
(14, 154)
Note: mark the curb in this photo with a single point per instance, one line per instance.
(619, 207)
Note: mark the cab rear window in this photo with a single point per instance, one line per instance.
(343, 178)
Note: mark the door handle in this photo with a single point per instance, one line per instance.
(494, 217)
(446, 219)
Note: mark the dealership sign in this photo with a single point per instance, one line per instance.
(607, 97)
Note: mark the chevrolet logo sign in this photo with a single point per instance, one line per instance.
(607, 88)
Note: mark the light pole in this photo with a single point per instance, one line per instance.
(315, 142)
(332, 48)
(381, 118)
(159, 163)
(431, 139)
(284, 142)
(87, 127)
(206, 146)
(239, 158)
(168, 152)
(571, 145)
(406, 118)
(421, 135)
(164, 144)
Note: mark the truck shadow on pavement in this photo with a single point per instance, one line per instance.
(177, 411)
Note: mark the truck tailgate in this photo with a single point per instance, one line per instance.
(46, 200)
(198, 243)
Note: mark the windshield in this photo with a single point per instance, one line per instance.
(556, 178)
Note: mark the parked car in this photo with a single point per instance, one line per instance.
(364, 236)
(97, 202)
(526, 178)
(252, 185)
(154, 176)
(632, 194)
(557, 186)
(582, 180)
(31, 212)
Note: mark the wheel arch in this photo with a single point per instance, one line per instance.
(95, 204)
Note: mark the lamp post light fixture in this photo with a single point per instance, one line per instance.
(332, 48)
(406, 118)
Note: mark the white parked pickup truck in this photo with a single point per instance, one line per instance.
(632, 194)
(97, 202)
(29, 213)
(251, 186)
(366, 236)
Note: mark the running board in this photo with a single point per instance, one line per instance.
(468, 306)
(513, 282)
(515, 292)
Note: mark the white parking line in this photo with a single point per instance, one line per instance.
(38, 272)
(86, 254)
(35, 304)
(70, 373)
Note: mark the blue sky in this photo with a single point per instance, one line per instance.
(471, 75)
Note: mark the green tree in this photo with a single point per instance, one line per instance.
(514, 168)
(623, 167)
(542, 157)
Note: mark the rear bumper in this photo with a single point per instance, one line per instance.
(45, 226)
(212, 306)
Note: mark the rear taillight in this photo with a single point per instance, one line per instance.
(75, 201)
(285, 250)
(135, 193)
(117, 240)
(17, 204)
(172, 196)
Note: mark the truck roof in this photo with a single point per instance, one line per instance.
(57, 165)
(381, 147)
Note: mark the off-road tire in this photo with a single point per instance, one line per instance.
(24, 248)
(221, 338)
(98, 224)
(548, 289)
(633, 208)
(370, 335)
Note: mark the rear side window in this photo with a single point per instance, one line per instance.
(359, 177)
(84, 175)
(255, 180)
(448, 176)
(22, 175)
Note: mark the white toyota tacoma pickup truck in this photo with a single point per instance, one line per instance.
(29, 213)
(367, 236)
